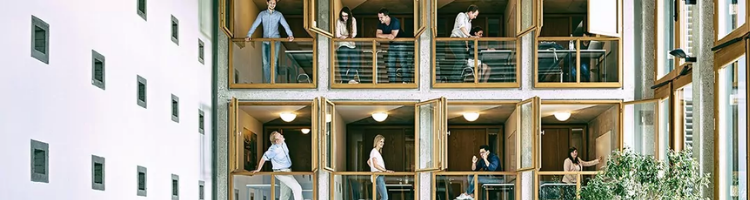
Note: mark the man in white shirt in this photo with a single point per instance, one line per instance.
(461, 28)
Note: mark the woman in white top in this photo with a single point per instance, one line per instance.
(347, 53)
(461, 28)
(378, 165)
(574, 163)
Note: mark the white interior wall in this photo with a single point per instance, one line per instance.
(56, 103)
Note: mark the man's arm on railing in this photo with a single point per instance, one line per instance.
(255, 25)
(286, 28)
(380, 34)
(260, 164)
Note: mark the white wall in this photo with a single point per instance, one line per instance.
(56, 103)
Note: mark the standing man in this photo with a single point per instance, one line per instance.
(487, 162)
(461, 28)
(278, 154)
(271, 20)
(389, 28)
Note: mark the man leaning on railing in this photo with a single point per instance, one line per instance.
(389, 28)
(278, 154)
(271, 20)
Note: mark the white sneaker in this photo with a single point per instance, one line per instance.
(463, 196)
(353, 81)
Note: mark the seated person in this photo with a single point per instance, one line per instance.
(484, 71)
(488, 162)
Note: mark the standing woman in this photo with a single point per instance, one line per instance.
(378, 165)
(346, 27)
(574, 163)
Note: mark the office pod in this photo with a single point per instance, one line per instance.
(476, 44)
(272, 149)
(259, 57)
(579, 44)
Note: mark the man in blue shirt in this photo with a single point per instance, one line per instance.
(390, 28)
(271, 20)
(278, 154)
(487, 162)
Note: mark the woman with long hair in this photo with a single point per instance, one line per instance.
(347, 54)
(378, 165)
(574, 163)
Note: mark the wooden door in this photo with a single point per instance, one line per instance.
(463, 144)
(555, 144)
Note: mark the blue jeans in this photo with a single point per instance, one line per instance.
(380, 186)
(585, 73)
(267, 57)
(482, 180)
(397, 51)
(348, 59)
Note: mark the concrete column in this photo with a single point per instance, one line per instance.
(703, 92)
(648, 44)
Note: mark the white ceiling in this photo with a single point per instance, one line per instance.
(265, 114)
(355, 113)
(549, 110)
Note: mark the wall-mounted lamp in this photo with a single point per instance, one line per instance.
(562, 116)
(691, 2)
(471, 116)
(305, 130)
(379, 116)
(287, 117)
(681, 54)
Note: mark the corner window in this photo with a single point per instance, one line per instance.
(201, 51)
(39, 40)
(141, 181)
(175, 187)
(141, 91)
(175, 109)
(97, 69)
(97, 173)
(175, 30)
(39, 162)
(142, 9)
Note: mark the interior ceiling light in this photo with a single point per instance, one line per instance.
(379, 116)
(471, 116)
(562, 116)
(305, 130)
(287, 117)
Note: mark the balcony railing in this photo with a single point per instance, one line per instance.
(364, 185)
(487, 185)
(374, 63)
(266, 185)
(559, 59)
(560, 184)
(458, 64)
(251, 66)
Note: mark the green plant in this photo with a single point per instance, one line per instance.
(633, 176)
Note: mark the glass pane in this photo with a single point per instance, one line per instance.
(731, 16)
(733, 130)
(353, 187)
(396, 186)
(599, 61)
(353, 62)
(451, 59)
(282, 182)
(295, 64)
(527, 14)
(688, 26)
(329, 135)
(666, 37)
(252, 187)
(395, 62)
(664, 128)
(685, 102)
(427, 120)
(497, 62)
(495, 187)
(228, 11)
(527, 135)
(557, 187)
(640, 130)
(556, 61)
